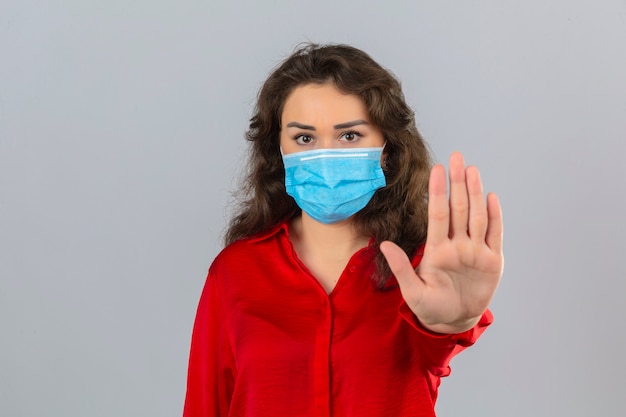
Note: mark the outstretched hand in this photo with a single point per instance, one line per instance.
(462, 263)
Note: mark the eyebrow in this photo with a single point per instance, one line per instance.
(350, 124)
(338, 126)
(300, 126)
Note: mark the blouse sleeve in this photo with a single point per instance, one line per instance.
(439, 349)
(211, 372)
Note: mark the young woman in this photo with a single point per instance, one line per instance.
(349, 279)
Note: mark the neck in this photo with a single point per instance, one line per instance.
(337, 240)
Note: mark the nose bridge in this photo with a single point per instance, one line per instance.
(327, 143)
(327, 140)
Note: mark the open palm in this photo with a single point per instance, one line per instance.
(462, 262)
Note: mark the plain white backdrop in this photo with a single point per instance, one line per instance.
(121, 140)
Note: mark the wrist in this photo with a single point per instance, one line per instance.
(458, 326)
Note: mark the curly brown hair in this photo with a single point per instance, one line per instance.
(397, 212)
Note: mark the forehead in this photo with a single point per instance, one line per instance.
(323, 101)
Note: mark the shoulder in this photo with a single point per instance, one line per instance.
(250, 250)
(244, 268)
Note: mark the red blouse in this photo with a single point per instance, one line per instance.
(269, 341)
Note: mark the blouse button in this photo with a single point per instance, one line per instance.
(352, 268)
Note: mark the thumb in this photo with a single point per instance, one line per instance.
(399, 263)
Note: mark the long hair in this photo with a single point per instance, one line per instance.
(398, 211)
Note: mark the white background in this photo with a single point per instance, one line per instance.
(121, 139)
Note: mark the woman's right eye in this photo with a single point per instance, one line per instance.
(303, 139)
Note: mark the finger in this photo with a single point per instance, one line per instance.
(477, 205)
(495, 227)
(401, 267)
(438, 207)
(459, 204)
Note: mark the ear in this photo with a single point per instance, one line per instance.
(384, 160)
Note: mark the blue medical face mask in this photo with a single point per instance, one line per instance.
(331, 185)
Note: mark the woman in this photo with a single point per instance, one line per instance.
(349, 279)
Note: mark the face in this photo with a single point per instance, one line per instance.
(319, 116)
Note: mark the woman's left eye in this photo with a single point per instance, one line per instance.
(350, 136)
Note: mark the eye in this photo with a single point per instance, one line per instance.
(303, 139)
(351, 136)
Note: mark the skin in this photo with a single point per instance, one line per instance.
(463, 261)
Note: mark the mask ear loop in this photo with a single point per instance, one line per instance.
(385, 159)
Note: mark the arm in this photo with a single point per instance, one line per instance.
(211, 365)
(439, 349)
